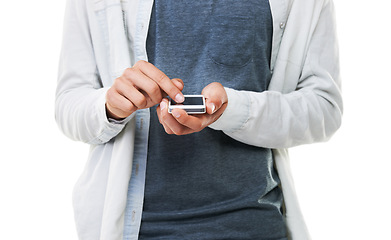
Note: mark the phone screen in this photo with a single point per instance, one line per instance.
(190, 101)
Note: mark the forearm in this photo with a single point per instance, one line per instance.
(81, 115)
(304, 103)
(275, 120)
(80, 98)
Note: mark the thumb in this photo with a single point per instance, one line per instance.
(215, 97)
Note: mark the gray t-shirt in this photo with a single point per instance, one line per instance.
(207, 185)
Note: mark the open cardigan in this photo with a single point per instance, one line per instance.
(103, 37)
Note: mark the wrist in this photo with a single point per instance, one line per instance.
(236, 111)
(111, 115)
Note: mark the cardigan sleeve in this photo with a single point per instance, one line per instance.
(80, 110)
(312, 112)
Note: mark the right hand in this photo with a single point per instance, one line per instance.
(139, 87)
(181, 123)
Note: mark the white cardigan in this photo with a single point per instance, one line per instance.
(103, 37)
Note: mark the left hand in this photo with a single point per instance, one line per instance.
(181, 123)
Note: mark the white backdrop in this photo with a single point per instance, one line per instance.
(343, 184)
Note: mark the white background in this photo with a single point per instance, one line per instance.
(343, 184)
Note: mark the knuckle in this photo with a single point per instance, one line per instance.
(161, 77)
(137, 64)
(155, 89)
(127, 107)
(140, 64)
(216, 84)
(144, 104)
(132, 108)
(126, 77)
(171, 91)
(163, 117)
(179, 80)
(155, 92)
(198, 126)
(117, 81)
(182, 120)
(168, 131)
(110, 95)
(127, 72)
(141, 102)
(202, 126)
(178, 131)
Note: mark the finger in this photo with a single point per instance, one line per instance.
(178, 83)
(161, 79)
(117, 105)
(215, 97)
(163, 106)
(133, 94)
(194, 122)
(144, 84)
(159, 109)
(169, 121)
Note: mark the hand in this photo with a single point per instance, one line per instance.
(180, 123)
(139, 87)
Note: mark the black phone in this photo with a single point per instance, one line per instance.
(193, 104)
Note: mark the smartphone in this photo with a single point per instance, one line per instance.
(193, 104)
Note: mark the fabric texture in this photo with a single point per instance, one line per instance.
(302, 105)
(207, 185)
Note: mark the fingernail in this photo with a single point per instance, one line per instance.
(179, 98)
(213, 107)
(163, 105)
(176, 114)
